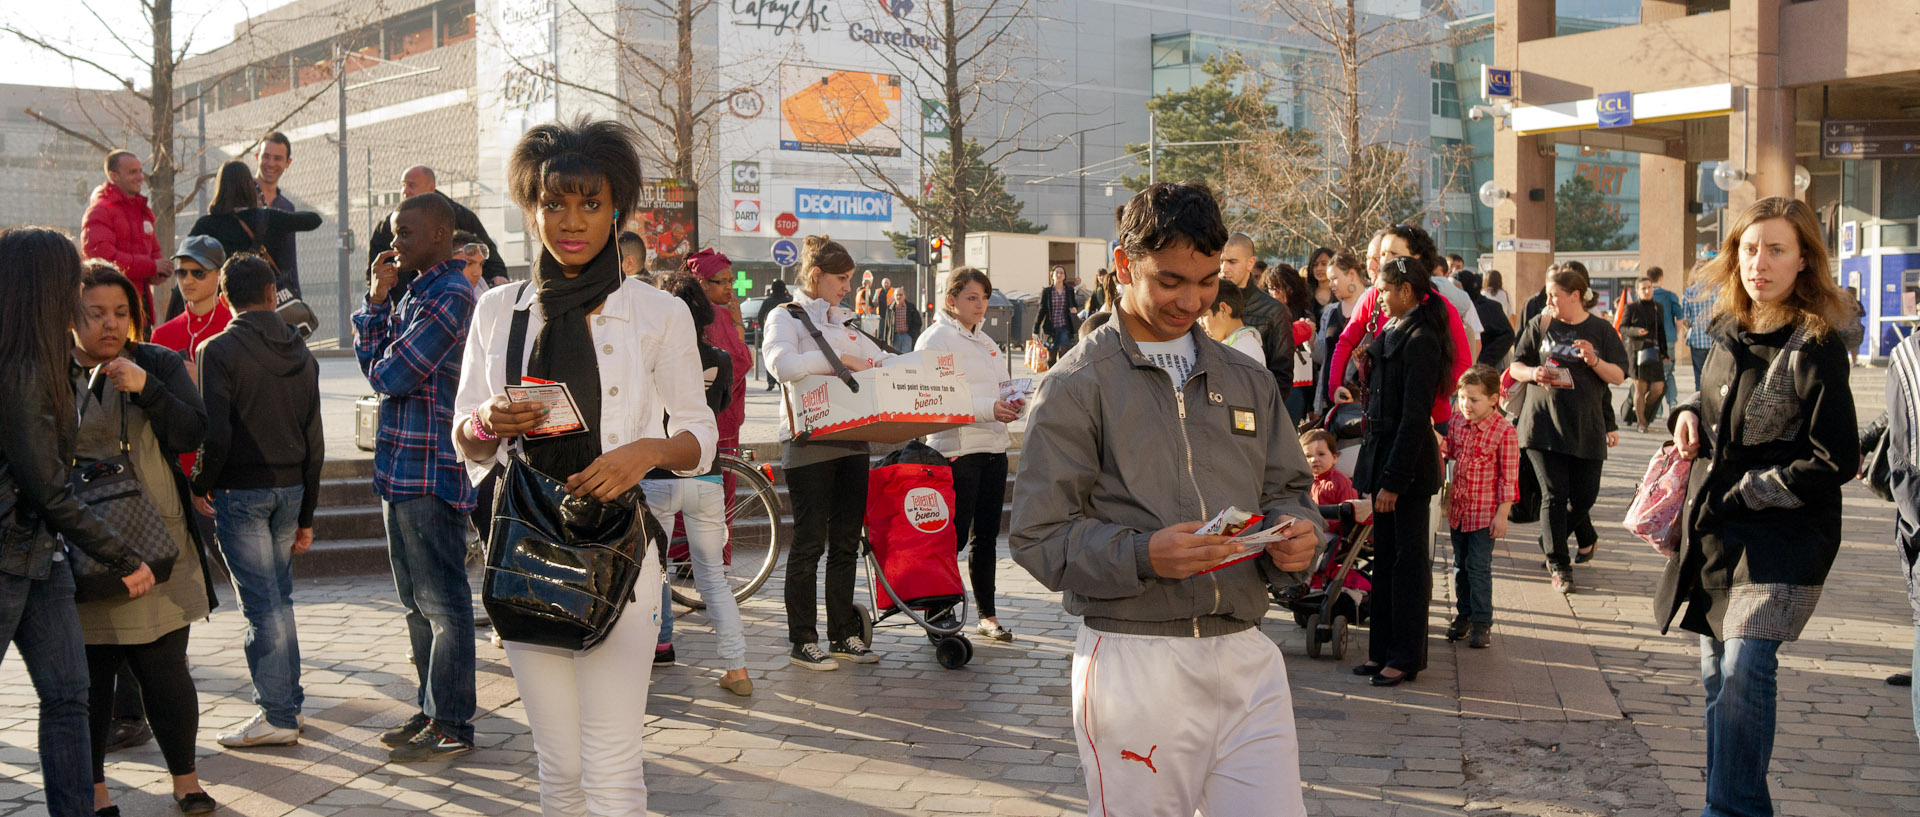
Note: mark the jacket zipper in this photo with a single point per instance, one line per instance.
(1180, 402)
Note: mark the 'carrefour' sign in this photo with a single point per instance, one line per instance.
(844, 205)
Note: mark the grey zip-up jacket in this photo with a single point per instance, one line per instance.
(1113, 453)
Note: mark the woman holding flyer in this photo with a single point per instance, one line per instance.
(978, 451)
(1400, 467)
(827, 480)
(620, 355)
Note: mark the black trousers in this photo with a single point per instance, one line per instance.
(1402, 584)
(829, 506)
(1569, 486)
(979, 493)
(166, 685)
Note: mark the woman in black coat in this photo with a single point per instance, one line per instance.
(240, 224)
(1773, 439)
(40, 272)
(1400, 467)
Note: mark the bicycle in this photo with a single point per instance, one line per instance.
(754, 535)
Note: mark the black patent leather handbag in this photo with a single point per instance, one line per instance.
(561, 569)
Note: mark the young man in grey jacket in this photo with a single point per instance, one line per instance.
(1138, 436)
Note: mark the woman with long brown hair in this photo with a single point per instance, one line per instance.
(1773, 439)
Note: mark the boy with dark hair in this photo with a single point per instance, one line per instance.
(258, 475)
(410, 353)
(633, 253)
(1180, 703)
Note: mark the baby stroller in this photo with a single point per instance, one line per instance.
(913, 565)
(1338, 589)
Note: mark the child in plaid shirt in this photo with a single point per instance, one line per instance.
(1484, 450)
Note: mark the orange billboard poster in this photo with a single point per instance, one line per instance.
(824, 110)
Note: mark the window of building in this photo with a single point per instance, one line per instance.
(456, 21)
(1446, 93)
(363, 49)
(313, 65)
(272, 78)
(410, 34)
(233, 90)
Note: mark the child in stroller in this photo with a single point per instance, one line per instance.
(1334, 594)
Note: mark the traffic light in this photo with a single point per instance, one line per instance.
(918, 252)
(939, 247)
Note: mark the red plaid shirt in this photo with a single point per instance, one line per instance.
(1486, 471)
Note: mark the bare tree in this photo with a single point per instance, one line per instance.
(969, 54)
(1359, 178)
(148, 106)
(679, 104)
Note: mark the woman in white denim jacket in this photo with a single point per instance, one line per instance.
(827, 480)
(978, 451)
(626, 352)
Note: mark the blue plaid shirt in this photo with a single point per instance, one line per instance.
(410, 351)
(1697, 310)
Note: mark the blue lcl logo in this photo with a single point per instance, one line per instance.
(1615, 108)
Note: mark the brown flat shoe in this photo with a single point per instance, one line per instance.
(742, 687)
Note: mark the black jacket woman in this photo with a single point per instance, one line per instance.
(1773, 439)
(1643, 327)
(236, 219)
(145, 390)
(1400, 467)
(1567, 358)
(39, 515)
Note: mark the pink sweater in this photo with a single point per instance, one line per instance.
(1364, 315)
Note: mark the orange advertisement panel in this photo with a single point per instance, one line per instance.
(825, 110)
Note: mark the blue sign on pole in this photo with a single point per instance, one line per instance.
(1496, 83)
(786, 253)
(1615, 108)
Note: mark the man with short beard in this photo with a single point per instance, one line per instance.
(1271, 317)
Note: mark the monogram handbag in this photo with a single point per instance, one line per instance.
(112, 489)
(560, 569)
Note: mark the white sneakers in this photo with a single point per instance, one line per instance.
(258, 732)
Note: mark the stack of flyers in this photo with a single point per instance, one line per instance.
(1013, 390)
(1233, 522)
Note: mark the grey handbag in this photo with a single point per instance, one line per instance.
(114, 493)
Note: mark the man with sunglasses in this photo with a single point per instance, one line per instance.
(470, 250)
(197, 264)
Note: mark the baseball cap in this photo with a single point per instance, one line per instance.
(204, 249)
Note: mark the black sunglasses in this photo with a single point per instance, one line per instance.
(198, 274)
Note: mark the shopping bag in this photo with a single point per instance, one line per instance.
(1036, 356)
(1654, 515)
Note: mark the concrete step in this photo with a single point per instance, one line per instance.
(348, 522)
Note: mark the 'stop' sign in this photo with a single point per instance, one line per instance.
(844, 205)
(1615, 109)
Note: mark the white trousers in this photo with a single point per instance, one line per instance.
(589, 709)
(1176, 726)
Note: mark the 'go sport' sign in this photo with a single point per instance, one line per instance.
(844, 205)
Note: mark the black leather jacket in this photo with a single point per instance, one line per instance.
(36, 504)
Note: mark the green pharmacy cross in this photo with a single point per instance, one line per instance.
(742, 287)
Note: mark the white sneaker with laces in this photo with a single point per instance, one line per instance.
(258, 732)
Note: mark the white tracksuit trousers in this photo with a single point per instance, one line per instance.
(1171, 726)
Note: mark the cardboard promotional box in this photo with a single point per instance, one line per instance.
(911, 395)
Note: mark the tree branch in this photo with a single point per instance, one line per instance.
(49, 122)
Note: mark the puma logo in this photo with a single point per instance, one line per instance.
(1129, 754)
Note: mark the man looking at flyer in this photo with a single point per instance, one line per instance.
(411, 353)
(1180, 704)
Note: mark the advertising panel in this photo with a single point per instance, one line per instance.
(667, 217)
(827, 110)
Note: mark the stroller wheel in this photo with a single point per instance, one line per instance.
(1313, 636)
(952, 652)
(866, 623)
(964, 642)
(1339, 637)
(1299, 618)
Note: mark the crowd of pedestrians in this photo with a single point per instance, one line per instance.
(1384, 390)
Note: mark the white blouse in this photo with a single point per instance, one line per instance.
(791, 353)
(649, 367)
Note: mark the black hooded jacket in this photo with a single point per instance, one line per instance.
(262, 390)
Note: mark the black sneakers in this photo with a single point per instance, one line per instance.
(810, 656)
(126, 733)
(1479, 636)
(433, 743)
(853, 648)
(663, 656)
(404, 733)
(1458, 629)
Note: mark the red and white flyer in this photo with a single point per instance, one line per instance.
(562, 416)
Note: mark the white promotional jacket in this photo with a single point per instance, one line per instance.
(984, 365)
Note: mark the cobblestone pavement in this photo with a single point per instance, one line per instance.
(1580, 708)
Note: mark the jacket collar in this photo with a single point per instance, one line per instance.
(1206, 350)
(111, 194)
(941, 317)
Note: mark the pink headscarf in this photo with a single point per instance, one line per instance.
(707, 263)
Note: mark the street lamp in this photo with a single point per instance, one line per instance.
(1492, 194)
(1727, 177)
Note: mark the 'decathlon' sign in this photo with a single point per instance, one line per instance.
(1615, 109)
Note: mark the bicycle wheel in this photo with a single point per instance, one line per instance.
(753, 515)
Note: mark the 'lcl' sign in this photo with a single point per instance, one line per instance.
(1615, 109)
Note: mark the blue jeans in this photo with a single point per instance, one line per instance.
(1916, 671)
(427, 543)
(1473, 574)
(1699, 358)
(1739, 677)
(1059, 340)
(39, 616)
(256, 529)
(701, 506)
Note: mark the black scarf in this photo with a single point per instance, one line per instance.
(563, 352)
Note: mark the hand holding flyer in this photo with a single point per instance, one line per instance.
(1234, 522)
(562, 415)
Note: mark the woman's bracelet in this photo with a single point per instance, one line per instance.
(479, 429)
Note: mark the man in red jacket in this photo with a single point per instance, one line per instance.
(119, 228)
